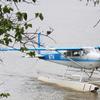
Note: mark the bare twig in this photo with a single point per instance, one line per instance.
(16, 6)
(96, 23)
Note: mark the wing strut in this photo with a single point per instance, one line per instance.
(81, 66)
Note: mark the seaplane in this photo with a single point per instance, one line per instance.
(87, 59)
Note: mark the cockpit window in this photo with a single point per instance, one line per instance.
(72, 53)
(77, 53)
(67, 53)
(89, 50)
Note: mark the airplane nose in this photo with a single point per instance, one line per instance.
(98, 56)
(95, 56)
(98, 61)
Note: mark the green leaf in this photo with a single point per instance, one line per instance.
(24, 16)
(19, 31)
(34, 1)
(5, 95)
(31, 54)
(41, 16)
(19, 16)
(1, 31)
(23, 49)
(7, 9)
(27, 25)
(15, 0)
(36, 15)
(7, 40)
(11, 9)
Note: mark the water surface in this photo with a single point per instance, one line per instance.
(18, 77)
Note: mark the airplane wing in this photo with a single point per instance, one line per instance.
(41, 49)
(9, 49)
(66, 48)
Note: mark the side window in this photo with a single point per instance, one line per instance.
(76, 53)
(72, 53)
(67, 53)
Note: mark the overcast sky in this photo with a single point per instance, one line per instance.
(71, 20)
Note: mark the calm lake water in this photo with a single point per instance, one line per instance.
(18, 77)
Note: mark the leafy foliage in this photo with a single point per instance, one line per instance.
(39, 15)
(95, 2)
(14, 25)
(4, 95)
(31, 54)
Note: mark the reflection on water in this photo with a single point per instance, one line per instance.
(28, 88)
(72, 95)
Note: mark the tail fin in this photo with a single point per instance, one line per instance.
(39, 41)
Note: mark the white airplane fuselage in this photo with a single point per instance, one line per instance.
(88, 58)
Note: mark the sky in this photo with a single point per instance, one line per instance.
(71, 20)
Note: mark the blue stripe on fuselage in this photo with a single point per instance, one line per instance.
(60, 57)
